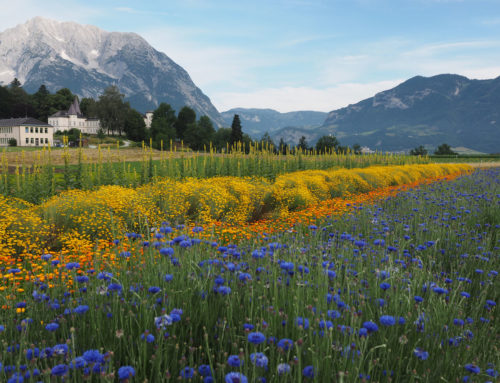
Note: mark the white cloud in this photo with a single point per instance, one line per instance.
(288, 99)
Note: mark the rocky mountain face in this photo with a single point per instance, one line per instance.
(429, 111)
(256, 122)
(87, 59)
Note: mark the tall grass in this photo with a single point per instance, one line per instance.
(43, 179)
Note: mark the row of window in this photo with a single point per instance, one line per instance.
(7, 129)
(30, 130)
(73, 123)
(4, 140)
(37, 141)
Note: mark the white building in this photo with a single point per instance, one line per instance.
(26, 131)
(73, 118)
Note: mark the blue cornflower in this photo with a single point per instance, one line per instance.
(46, 257)
(308, 372)
(259, 359)
(104, 275)
(150, 338)
(370, 326)
(302, 322)
(235, 377)
(205, 370)
(163, 321)
(154, 290)
(256, 337)
(93, 356)
(283, 368)
(82, 309)
(126, 372)
(465, 294)
(385, 286)
(285, 344)
(187, 372)
(418, 299)
(458, 322)
(169, 277)
(420, 354)
(72, 265)
(234, 361)
(78, 362)
(52, 326)
(439, 290)
(167, 251)
(82, 279)
(472, 368)
(59, 370)
(387, 320)
(115, 287)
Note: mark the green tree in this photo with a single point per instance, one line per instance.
(61, 100)
(162, 126)
(266, 142)
(356, 149)
(111, 110)
(12, 142)
(42, 103)
(303, 143)
(198, 135)
(444, 149)
(185, 117)
(236, 131)
(89, 107)
(5, 102)
(222, 138)
(134, 126)
(282, 146)
(21, 103)
(327, 143)
(418, 151)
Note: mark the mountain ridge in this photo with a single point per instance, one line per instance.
(87, 59)
(424, 111)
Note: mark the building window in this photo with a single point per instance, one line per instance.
(46, 130)
(26, 130)
(31, 130)
(46, 140)
(32, 140)
(27, 140)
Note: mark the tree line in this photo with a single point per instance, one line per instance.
(117, 117)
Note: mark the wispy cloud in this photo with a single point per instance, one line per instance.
(288, 99)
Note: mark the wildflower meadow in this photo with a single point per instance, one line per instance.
(378, 273)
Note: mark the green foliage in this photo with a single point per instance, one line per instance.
(186, 117)
(134, 126)
(236, 131)
(12, 142)
(111, 110)
(198, 135)
(327, 144)
(444, 149)
(418, 151)
(162, 126)
(303, 144)
(222, 138)
(89, 107)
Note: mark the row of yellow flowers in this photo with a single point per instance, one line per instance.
(122, 204)
(112, 210)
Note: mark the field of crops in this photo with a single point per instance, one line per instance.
(376, 273)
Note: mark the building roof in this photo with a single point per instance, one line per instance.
(74, 110)
(22, 121)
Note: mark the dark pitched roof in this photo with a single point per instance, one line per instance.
(73, 109)
(22, 121)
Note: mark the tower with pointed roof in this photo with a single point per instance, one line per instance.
(64, 120)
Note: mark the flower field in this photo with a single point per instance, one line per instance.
(371, 274)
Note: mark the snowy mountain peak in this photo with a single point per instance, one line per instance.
(87, 59)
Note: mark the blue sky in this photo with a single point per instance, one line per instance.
(297, 54)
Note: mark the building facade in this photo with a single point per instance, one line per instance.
(26, 131)
(73, 118)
